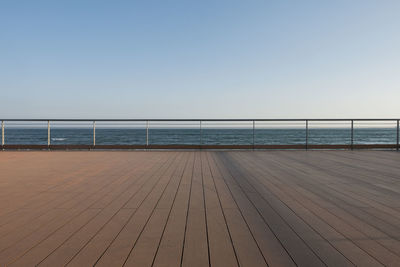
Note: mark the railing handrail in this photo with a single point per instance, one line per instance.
(183, 120)
(253, 121)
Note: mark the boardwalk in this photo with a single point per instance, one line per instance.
(172, 208)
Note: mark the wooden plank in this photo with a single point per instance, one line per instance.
(271, 247)
(248, 230)
(21, 221)
(225, 208)
(170, 249)
(41, 237)
(346, 247)
(195, 247)
(144, 203)
(298, 249)
(219, 238)
(145, 247)
(369, 245)
(12, 252)
(341, 203)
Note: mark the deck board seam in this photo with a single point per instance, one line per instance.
(266, 201)
(337, 230)
(309, 225)
(134, 209)
(187, 211)
(205, 209)
(244, 219)
(88, 223)
(152, 212)
(87, 197)
(222, 210)
(170, 210)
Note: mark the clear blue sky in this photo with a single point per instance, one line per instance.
(193, 59)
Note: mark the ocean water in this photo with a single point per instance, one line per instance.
(115, 136)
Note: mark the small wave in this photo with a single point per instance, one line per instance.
(58, 139)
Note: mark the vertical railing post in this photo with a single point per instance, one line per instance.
(201, 133)
(352, 134)
(94, 134)
(306, 134)
(48, 134)
(2, 134)
(254, 133)
(398, 132)
(147, 133)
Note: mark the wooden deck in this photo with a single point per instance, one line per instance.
(192, 208)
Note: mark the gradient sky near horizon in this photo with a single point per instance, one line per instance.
(200, 59)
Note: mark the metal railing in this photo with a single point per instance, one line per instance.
(250, 124)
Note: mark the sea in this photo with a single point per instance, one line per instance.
(231, 136)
